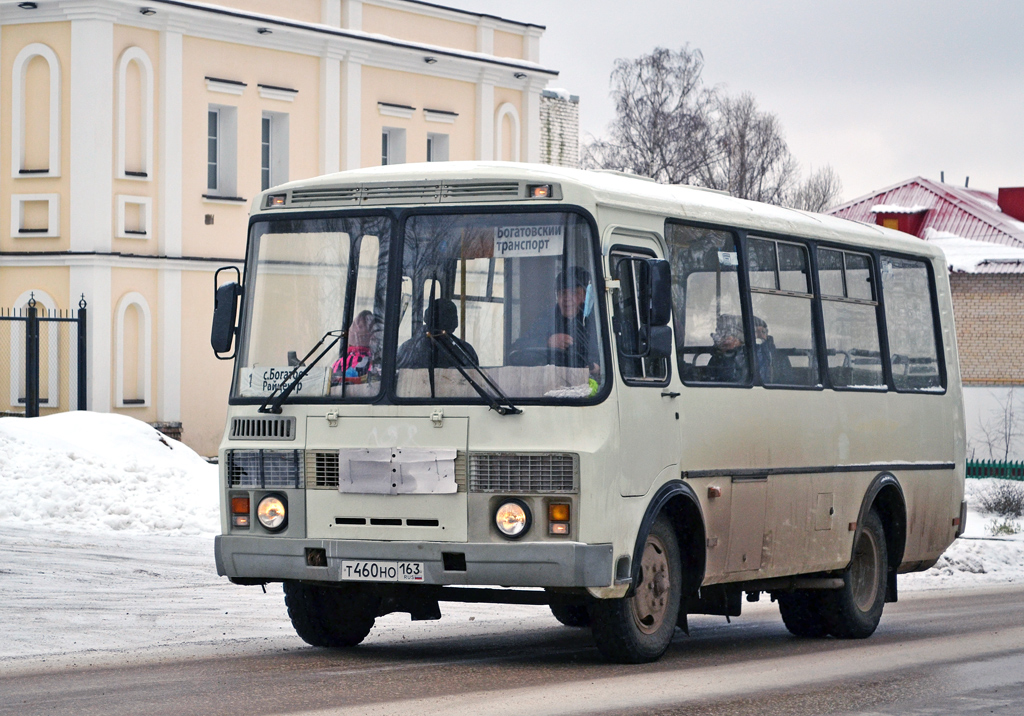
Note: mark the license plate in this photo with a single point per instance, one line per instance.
(382, 571)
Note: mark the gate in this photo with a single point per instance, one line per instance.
(44, 353)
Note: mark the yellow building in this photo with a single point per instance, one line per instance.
(137, 133)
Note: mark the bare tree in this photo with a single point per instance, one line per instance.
(662, 128)
(1000, 432)
(752, 160)
(820, 192)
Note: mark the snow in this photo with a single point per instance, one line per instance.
(106, 556)
(897, 209)
(966, 254)
(560, 92)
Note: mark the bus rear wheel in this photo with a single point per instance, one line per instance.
(857, 607)
(639, 628)
(331, 616)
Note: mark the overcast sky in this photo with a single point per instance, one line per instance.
(883, 90)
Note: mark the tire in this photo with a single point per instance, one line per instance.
(334, 617)
(638, 629)
(857, 608)
(803, 613)
(571, 615)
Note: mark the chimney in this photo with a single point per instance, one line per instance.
(1011, 201)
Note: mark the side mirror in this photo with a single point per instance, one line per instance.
(659, 341)
(225, 315)
(659, 291)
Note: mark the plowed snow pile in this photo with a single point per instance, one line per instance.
(99, 472)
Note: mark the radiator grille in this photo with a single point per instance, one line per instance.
(322, 470)
(481, 190)
(263, 428)
(264, 468)
(408, 193)
(523, 472)
(326, 196)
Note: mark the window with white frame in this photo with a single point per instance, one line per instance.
(35, 215)
(273, 149)
(133, 354)
(437, 147)
(392, 141)
(221, 151)
(35, 112)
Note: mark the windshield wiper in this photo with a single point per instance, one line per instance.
(280, 394)
(461, 359)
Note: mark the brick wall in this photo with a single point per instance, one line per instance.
(989, 312)
(559, 129)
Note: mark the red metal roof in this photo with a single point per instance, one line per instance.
(968, 213)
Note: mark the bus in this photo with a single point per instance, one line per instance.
(632, 402)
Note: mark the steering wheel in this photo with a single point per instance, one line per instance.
(538, 355)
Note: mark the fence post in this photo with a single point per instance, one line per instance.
(31, 360)
(83, 392)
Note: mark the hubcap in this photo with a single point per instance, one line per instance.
(864, 576)
(650, 601)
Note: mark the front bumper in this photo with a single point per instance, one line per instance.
(563, 564)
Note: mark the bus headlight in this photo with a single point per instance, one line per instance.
(513, 519)
(271, 513)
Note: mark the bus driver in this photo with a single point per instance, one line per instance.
(570, 334)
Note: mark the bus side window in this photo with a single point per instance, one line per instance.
(848, 304)
(626, 326)
(706, 307)
(910, 324)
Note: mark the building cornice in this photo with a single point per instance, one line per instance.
(450, 13)
(94, 259)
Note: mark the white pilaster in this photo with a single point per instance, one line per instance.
(531, 42)
(531, 120)
(352, 15)
(94, 283)
(351, 110)
(330, 12)
(330, 114)
(171, 92)
(485, 36)
(485, 116)
(168, 327)
(91, 79)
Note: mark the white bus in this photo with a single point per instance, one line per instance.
(510, 383)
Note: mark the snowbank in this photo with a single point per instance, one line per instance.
(99, 472)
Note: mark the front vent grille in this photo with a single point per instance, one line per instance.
(410, 193)
(263, 428)
(264, 468)
(323, 470)
(523, 472)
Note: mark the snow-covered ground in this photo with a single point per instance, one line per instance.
(106, 553)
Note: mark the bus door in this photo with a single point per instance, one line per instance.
(646, 388)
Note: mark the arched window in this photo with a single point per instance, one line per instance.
(506, 133)
(49, 352)
(35, 112)
(134, 115)
(133, 352)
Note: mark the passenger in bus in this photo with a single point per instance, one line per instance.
(765, 354)
(420, 351)
(570, 334)
(355, 367)
(728, 362)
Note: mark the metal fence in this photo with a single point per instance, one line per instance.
(993, 468)
(42, 360)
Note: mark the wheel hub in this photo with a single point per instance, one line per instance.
(650, 601)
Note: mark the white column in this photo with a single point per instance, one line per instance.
(168, 342)
(330, 114)
(94, 282)
(351, 110)
(352, 15)
(531, 120)
(171, 148)
(91, 81)
(485, 116)
(330, 13)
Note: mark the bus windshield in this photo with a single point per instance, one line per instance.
(491, 307)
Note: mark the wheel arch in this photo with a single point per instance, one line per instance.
(885, 495)
(679, 502)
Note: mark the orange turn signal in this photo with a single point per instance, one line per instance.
(542, 191)
(239, 505)
(558, 512)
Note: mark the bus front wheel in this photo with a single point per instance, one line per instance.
(332, 617)
(638, 629)
(803, 613)
(857, 606)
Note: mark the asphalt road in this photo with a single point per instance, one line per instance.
(943, 652)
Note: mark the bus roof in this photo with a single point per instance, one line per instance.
(618, 190)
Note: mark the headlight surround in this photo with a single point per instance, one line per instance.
(513, 518)
(272, 513)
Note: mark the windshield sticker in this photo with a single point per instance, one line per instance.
(513, 242)
(264, 380)
(728, 258)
